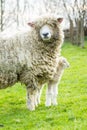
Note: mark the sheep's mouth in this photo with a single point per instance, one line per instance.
(46, 39)
(52, 40)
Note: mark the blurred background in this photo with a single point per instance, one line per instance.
(16, 13)
(71, 112)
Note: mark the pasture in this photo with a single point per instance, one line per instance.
(71, 112)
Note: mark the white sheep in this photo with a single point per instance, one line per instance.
(52, 85)
(52, 89)
(31, 57)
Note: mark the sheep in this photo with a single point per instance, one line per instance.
(52, 85)
(31, 57)
(52, 89)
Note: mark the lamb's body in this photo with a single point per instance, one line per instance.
(25, 57)
(52, 89)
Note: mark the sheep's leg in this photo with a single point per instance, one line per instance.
(31, 97)
(55, 93)
(37, 98)
(39, 94)
(36, 95)
(49, 94)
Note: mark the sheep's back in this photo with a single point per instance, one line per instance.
(13, 56)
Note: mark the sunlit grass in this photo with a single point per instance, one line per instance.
(71, 112)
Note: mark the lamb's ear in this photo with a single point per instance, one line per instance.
(60, 20)
(31, 24)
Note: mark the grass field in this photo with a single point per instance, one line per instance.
(71, 112)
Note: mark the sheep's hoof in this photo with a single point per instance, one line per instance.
(36, 104)
(55, 104)
(31, 108)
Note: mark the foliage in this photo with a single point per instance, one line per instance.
(71, 112)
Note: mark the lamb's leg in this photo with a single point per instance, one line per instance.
(55, 93)
(31, 96)
(49, 94)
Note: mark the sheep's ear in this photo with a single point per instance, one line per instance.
(60, 20)
(31, 24)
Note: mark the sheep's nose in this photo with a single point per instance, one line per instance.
(45, 34)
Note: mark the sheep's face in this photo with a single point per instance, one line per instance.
(46, 33)
(63, 62)
(47, 30)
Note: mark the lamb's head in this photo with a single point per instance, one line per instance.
(48, 28)
(63, 62)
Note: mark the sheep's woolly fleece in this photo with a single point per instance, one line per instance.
(26, 58)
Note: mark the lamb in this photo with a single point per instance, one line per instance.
(52, 89)
(31, 57)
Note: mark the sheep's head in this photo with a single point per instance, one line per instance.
(47, 28)
(63, 62)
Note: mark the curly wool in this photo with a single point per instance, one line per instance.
(26, 58)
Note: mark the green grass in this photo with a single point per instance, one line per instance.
(71, 112)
